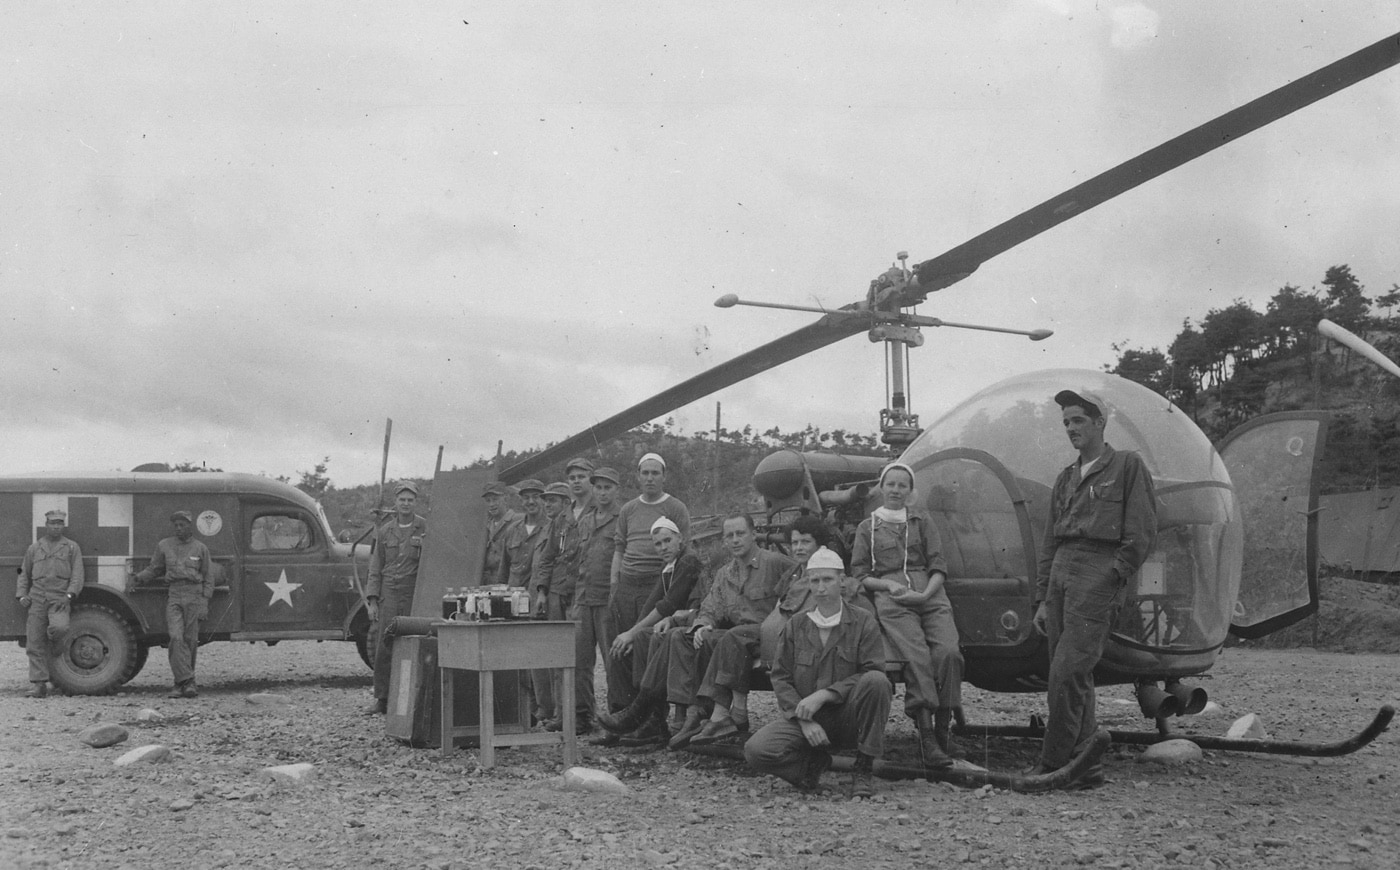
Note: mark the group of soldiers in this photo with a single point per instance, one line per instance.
(51, 576)
(680, 647)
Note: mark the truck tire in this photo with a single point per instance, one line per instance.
(142, 651)
(98, 653)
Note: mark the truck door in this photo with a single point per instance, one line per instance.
(1272, 460)
(290, 585)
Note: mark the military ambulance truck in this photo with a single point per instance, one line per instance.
(279, 573)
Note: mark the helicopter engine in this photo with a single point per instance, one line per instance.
(793, 483)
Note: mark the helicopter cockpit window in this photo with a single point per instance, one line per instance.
(279, 532)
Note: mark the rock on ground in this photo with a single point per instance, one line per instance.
(144, 755)
(300, 772)
(1169, 752)
(1247, 727)
(103, 734)
(268, 699)
(588, 779)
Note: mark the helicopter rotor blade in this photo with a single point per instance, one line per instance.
(828, 330)
(1347, 338)
(952, 266)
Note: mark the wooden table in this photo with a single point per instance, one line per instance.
(507, 645)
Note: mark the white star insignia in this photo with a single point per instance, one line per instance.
(282, 590)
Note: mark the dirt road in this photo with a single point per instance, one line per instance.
(374, 802)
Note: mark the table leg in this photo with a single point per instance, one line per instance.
(446, 716)
(487, 719)
(567, 719)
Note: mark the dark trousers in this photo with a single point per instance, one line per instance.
(1081, 604)
(595, 633)
(732, 664)
(625, 607)
(546, 681)
(781, 749)
(44, 628)
(686, 665)
(395, 599)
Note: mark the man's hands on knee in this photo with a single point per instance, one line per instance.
(815, 734)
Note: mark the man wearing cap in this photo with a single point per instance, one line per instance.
(521, 561)
(393, 577)
(551, 580)
(50, 577)
(636, 567)
(830, 685)
(596, 531)
(578, 472)
(1102, 524)
(498, 519)
(188, 572)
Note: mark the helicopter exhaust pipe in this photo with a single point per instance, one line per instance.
(1192, 699)
(1155, 703)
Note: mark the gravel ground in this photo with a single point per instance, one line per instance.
(374, 802)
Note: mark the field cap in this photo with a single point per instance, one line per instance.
(495, 487)
(406, 486)
(559, 490)
(665, 523)
(606, 473)
(1091, 403)
(178, 514)
(56, 515)
(825, 558)
(531, 485)
(579, 462)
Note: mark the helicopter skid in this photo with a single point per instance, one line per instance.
(1224, 744)
(961, 776)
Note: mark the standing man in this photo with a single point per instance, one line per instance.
(596, 530)
(743, 593)
(578, 474)
(522, 567)
(636, 566)
(830, 684)
(393, 577)
(552, 581)
(188, 571)
(1103, 521)
(498, 519)
(50, 577)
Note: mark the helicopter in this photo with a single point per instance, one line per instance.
(1237, 545)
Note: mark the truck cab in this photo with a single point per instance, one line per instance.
(279, 573)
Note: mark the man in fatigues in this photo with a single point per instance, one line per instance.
(596, 530)
(521, 563)
(188, 571)
(50, 577)
(744, 592)
(578, 474)
(393, 577)
(498, 519)
(552, 581)
(636, 567)
(1103, 521)
(830, 684)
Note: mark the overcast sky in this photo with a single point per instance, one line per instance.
(245, 234)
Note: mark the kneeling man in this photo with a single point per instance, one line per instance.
(830, 684)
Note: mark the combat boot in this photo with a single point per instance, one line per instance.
(932, 755)
(813, 766)
(377, 707)
(37, 690)
(632, 716)
(863, 777)
(653, 731)
(942, 730)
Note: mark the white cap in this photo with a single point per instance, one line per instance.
(824, 558)
(665, 523)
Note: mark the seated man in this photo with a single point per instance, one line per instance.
(830, 684)
(739, 649)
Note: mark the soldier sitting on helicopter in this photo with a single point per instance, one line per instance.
(897, 557)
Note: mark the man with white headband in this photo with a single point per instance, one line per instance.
(636, 566)
(829, 682)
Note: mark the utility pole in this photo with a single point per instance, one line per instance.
(714, 467)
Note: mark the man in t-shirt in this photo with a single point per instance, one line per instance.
(636, 566)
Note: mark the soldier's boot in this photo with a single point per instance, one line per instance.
(38, 689)
(632, 716)
(653, 731)
(377, 707)
(942, 730)
(813, 766)
(863, 777)
(932, 755)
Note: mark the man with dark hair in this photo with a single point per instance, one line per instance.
(50, 577)
(597, 528)
(726, 682)
(393, 578)
(187, 569)
(1102, 524)
(744, 591)
(498, 519)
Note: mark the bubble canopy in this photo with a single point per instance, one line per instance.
(1018, 422)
